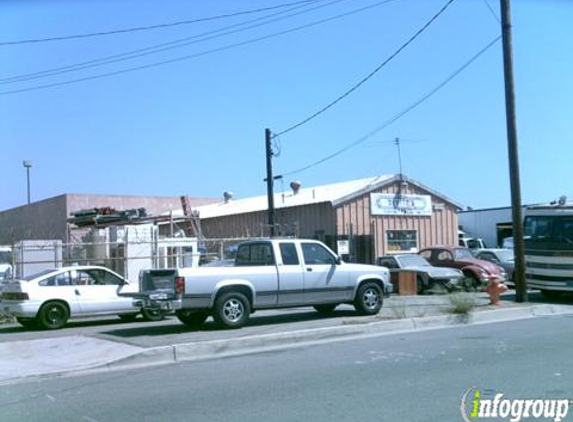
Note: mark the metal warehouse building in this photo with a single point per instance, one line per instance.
(47, 219)
(371, 217)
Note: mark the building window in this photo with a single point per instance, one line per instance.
(402, 240)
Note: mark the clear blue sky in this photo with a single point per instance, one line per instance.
(196, 126)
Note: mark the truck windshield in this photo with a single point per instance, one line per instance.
(551, 232)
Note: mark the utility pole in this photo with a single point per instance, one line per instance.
(519, 245)
(270, 181)
(27, 165)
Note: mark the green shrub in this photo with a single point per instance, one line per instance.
(6, 319)
(462, 303)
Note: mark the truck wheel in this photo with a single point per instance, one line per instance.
(192, 319)
(29, 323)
(127, 317)
(53, 315)
(368, 299)
(153, 314)
(231, 310)
(326, 309)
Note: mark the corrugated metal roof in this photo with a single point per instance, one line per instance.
(306, 196)
(336, 194)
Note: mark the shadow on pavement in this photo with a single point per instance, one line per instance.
(565, 298)
(80, 323)
(254, 321)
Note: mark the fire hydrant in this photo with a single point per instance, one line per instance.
(494, 289)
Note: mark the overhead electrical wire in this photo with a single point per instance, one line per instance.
(371, 74)
(203, 53)
(157, 26)
(158, 48)
(492, 11)
(400, 114)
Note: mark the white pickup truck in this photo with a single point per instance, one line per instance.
(275, 273)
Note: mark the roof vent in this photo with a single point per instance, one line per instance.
(295, 186)
(562, 200)
(227, 196)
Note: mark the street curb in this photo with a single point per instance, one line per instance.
(349, 329)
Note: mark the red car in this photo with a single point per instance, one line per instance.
(461, 258)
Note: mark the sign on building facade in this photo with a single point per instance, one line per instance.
(398, 204)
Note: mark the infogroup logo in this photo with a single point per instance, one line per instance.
(476, 406)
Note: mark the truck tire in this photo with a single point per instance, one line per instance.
(53, 315)
(192, 319)
(153, 315)
(368, 299)
(127, 317)
(326, 309)
(232, 310)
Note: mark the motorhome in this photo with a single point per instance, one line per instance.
(549, 247)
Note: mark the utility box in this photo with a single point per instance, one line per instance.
(405, 282)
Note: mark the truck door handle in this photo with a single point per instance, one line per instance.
(77, 292)
(309, 269)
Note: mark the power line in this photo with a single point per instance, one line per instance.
(157, 48)
(192, 56)
(151, 27)
(371, 74)
(400, 114)
(492, 11)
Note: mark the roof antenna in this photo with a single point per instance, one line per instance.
(397, 143)
(403, 183)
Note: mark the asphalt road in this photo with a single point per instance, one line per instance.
(406, 377)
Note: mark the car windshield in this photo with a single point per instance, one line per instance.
(462, 253)
(412, 261)
(505, 255)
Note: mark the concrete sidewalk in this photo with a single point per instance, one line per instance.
(61, 355)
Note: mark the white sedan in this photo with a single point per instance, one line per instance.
(48, 299)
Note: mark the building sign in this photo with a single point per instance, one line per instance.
(397, 204)
(343, 247)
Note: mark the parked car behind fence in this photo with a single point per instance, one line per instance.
(49, 298)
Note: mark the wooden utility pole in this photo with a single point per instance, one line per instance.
(519, 245)
(270, 182)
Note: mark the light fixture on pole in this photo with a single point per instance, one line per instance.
(27, 164)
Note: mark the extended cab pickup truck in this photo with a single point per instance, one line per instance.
(275, 273)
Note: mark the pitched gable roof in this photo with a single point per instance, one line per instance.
(336, 194)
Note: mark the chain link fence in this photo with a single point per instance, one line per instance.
(126, 258)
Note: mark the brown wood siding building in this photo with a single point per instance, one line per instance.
(370, 232)
(348, 217)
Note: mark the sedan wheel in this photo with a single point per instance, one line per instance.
(53, 315)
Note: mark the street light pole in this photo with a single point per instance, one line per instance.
(519, 245)
(27, 164)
